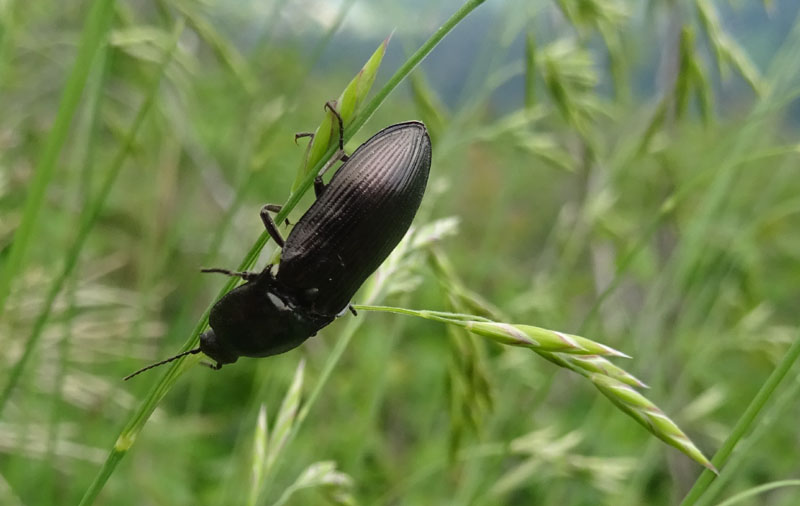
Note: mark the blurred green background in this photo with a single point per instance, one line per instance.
(622, 170)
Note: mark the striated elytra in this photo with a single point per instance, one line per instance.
(356, 221)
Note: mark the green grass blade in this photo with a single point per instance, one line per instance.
(92, 38)
(123, 442)
(751, 492)
(88, 218)
(85, 142)
(778, 411)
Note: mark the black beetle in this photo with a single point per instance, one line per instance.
(356, 221)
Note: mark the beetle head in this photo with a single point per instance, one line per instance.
(217, 349)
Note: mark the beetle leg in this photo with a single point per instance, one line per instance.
(330, 106)
(276, 208)
(303, 134)
(352, 309)
(247, 276)
(319, 185)
(269, 223)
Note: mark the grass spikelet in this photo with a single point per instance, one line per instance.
(649, 416)
(539, 339)
(587, 364)
(560, 348)
(347, 105)
(336, 484)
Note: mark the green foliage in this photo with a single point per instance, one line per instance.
(97, 21)
(619, 172)
(327, 134)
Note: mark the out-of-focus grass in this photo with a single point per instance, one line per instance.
(660, 219)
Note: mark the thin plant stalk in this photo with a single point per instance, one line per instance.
(744, 424)
(197, 391)
(759, 490)
(86, 143)
(176, 368)
(776, 412)
(92, 38)
(527, 336)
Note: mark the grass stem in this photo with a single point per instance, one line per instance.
(744, 424)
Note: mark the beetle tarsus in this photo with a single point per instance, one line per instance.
(245, 275)
(352, 309)
(215, 367)
(269, 223)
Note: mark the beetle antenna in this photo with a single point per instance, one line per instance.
(170, 359)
